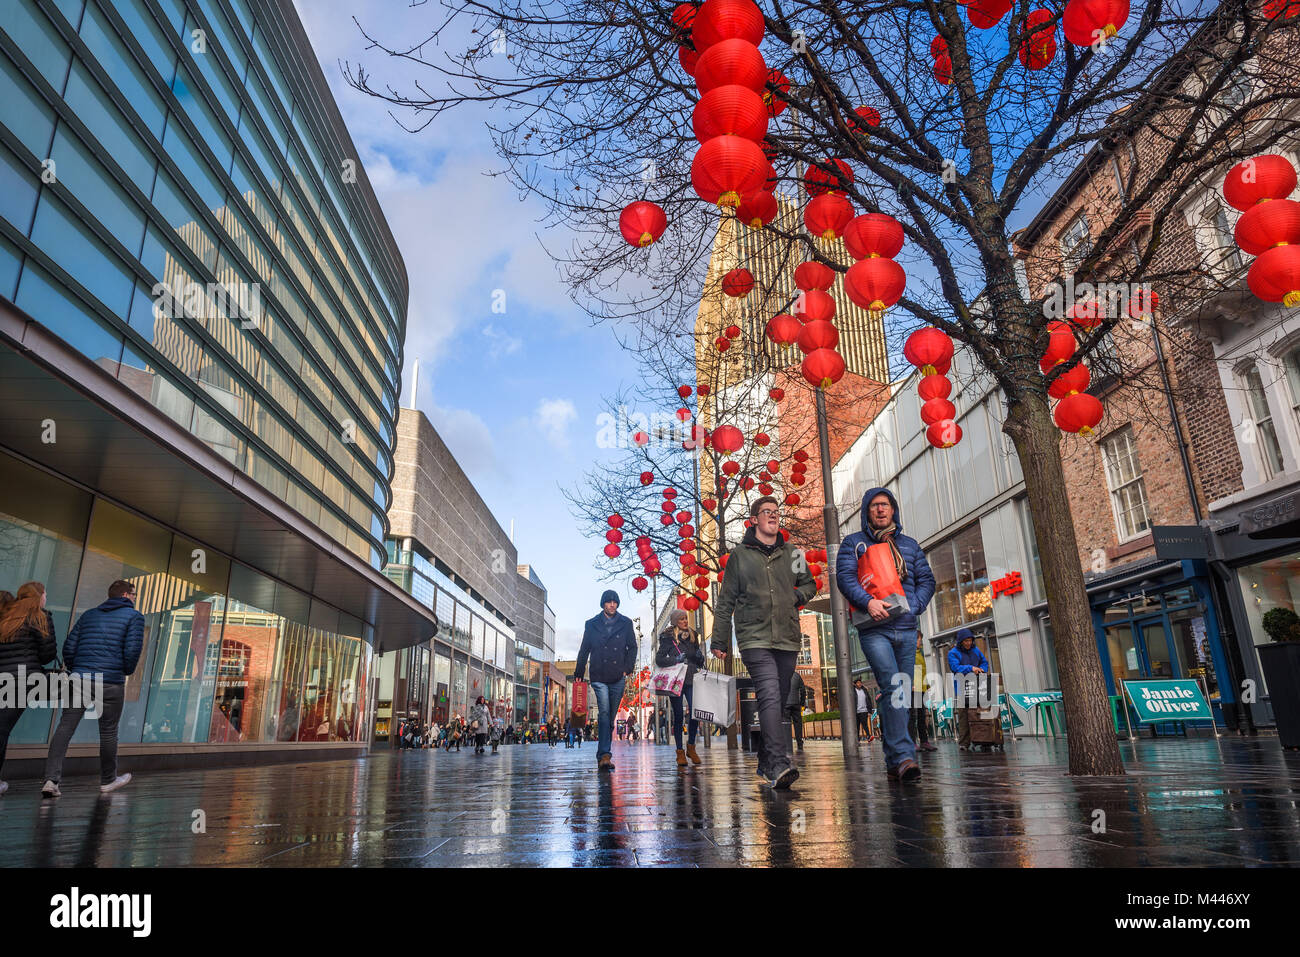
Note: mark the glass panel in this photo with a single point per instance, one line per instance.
(121, 68)
(38, 39)
(110, 129)
(976, 595)
(146, 32)
(1162, 665)
(98, 192)
(28, 116)
(1124, 663)
(60, 236)
(186, 89)
(459, 688)
(1192, 646)
(946, 604)
(17, 197)
(66, 317)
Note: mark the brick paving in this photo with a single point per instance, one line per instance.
(1185, 802)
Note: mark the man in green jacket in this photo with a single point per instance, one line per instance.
(764, 584)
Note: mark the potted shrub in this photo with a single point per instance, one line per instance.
(1280, 661)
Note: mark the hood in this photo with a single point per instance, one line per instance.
(610, 595)
(113, 604)
(751, 539)
(872, 493)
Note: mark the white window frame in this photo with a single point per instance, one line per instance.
(1075, 248)
(1261, 426)
(1116, 484)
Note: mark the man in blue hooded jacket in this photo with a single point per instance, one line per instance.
(965, 659)
(609, 641)
(888, 643)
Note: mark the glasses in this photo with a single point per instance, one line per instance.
(768, 513)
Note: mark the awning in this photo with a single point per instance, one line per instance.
(111, 440)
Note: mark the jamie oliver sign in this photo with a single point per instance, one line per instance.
(1177, 699)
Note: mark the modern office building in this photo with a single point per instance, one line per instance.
(539, 685)
(202, 312)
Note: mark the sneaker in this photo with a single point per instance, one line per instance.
(785, 779)
(4, 786)
(50, 790)
(605, 763)
(929, 747)
(121, 781)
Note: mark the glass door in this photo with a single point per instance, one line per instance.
(1125, 659)
(1160, 660)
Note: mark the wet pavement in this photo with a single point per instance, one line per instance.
(1186, 802)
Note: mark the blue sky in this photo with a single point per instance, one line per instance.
(506, 390)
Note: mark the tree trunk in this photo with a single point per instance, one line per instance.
(1093, 747)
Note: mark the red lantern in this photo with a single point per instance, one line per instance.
(783, 329)
(801, 456)
(943, 70)
(687, 545)
(727, 168)
(1078, 413)
(730, 467)
(665, 519)
(936, 410)
(709, 504)
(613, 536)
(757, 209)
(773, 466)
(873, 234)
(1266, 225)
(818, 335)
(1070, 381)
(928, 348)
(792, 498)
(722, 343)
(642, 223)
(819, 181)
(729, 110)
(943, 434)
(747, 483)
(762, 439)
(667, 506)
(684, 16)
(1060, 343)
(775, 99)
(1039, 47)
(798, 478)
(776, 395)
(1251, 181)
(720, 20)
(670, 493)
(683, 517)
(986, 13)
(765, 476)
(727, 439)
(798, 468)
(814, 306)
(690, 604)
(732, 332)
(701, 581)
(641, 439)
(827, 215)
(1086, 21)
(814, 275)
(814, 570)
(684, 391)
(765, 488)
(639, 583)
(875, 284)
(702, 390)
(615, 521)
(684, 414)
(613, 551)
(1087, 315)
(647, 478)
(869, 115)
(688, 59)
(1286, 9)
(1143, 303)
(731, 61)
(686, 531)
(738, 283)
(1275, 276)
(823, 368)
(938, 46)
(934, 387)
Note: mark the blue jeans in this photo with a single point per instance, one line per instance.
(693, 726)
(607, 698)
(890, 652)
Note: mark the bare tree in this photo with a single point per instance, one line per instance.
(591, 98)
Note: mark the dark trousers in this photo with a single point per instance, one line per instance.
(771, 671)
(864, 722)
(916, 726)
(8, 718)
(114, 700)
(796, 718)
(693, 726)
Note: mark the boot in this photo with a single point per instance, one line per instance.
(690, 753)
(605, 763)
(681, 758)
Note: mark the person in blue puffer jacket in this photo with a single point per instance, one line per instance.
(965, 658)
(106, 640)
(889, 644)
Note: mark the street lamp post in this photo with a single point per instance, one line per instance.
(839, 616)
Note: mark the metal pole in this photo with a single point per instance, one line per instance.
(839, 616)
(699, 525)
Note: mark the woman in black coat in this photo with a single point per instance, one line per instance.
(27, 642)
(677, 644)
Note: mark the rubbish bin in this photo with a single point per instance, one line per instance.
(749, 734)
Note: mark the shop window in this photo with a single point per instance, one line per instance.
(1128, 492)
(972, 575)
(1260, 430)
(1292, 365)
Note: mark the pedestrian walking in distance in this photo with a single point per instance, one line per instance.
(916, 725)
(865, 707)
(794, 703)
(965, 661)
(610, 644)
(888, 643)
(678, 644)
(480, 719)
(762, 592)
(27, 642)
(107, 640)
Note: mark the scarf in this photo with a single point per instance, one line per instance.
(886, 535)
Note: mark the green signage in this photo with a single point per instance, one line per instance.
(1168, 700)
(1026, 702)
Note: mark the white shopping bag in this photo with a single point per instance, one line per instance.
(714, 698)
(669, 680)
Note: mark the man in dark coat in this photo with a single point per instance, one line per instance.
(106, 640)
(610, 643)
(889, 643)
(966, 662)
(794, 703)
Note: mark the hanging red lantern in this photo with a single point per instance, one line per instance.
(818, 335)
(670, 493)
(869, 116)
(873, 234)
(667, 506)
(986, 13)
(765, 476)
(792, 498)
(875, 284)
(1087, 315)
(690, 604)
(1039, 46)
(1070, 381)
(738, 282)
(686, 531)
(730, 467)
(1266, 225)
(778, 85)
(684, 391)
(776, 395)
(615, 521)
(936, 410)
(641, 439)
(798, 478)
(938, 47)
(1143, 303)
(814, 306)
(762, 439)
(722, 343)
(613, 551)
(688, 59)
(640, 584)
(814, 275)
(823, 368)
(729, 110)
(613, 536)
(702, 390)
(928, 348)
(773, 466)
(709, 504)
(701, 581)
(1060, 343)
(783, 329)
(683, 517)
(934, 387)
(943, 70)
(747, 483)
(801, 456)
(665, 519)
(687, 545)
(732, 332)
(765, 488)
(727, 439)
(731, 61)
(684, 16)
(721, 20)
(684, 414)
(1260, 178)
(1275, 276)
(757, 209)
(702, 595)
(798, 467)
(1086, 21)
(647, 478)
(727, 168)
(827, 215)
(943, 434)
(1284, 9)
(642, 222)
(818, 181)
(1078, 413)
(814, 570)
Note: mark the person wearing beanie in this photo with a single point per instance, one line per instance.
(610, 644)
(965, 659)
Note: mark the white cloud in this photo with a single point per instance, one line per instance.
(553, 418)
(503, 344)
